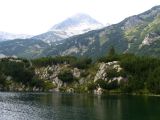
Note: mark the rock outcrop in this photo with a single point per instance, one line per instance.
(149, 39)
(51, 73)
(104, 67)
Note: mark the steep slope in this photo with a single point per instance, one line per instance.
(139, 34)
(51, 37)
(93, 44)
(29, 48)
(77, 24)
(39, 44)
(145, 33)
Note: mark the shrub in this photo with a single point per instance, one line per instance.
(84, 74)
(153, 82)
(91, 86)
(66, 76)
(82, 63)
(48, 85)
(108, 86)
(112, 85)
(101, 83)
(45, 61)
(111, 73)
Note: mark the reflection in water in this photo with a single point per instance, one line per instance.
(59, 106)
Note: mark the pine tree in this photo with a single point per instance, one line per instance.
(112, 51)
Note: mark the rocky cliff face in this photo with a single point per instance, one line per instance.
(103, 75)
(51, 73)
(83, 77)
(104, 67)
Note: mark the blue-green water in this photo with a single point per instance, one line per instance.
(58, 106)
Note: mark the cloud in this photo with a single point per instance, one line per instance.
(37, 16)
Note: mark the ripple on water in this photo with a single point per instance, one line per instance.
(56, 106)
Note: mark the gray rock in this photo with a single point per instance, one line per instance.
(103, 67)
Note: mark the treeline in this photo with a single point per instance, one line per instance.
(18, 73)
(142, 72)
(80, 63)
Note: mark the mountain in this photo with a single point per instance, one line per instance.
(139, 34)
(77, 24)
(9, 36)
(33, 47)
(28, 48)
(51, 37)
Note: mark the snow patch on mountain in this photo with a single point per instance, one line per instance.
(9, 36)
(77, 24)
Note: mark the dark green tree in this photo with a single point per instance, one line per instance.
(66, 76)
(111, 51)
(153, 82)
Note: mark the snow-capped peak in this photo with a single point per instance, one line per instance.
(77, 24)
(74, 25)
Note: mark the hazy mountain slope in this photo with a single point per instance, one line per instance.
(35, 46)
(138, 34)
(51, 37)
(77, 24)
(94, 43)
(9, 36)
(28, 48)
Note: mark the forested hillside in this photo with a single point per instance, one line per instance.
(125, 73)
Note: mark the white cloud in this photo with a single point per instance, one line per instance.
(37, 16)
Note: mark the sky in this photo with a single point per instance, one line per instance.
(37, 16)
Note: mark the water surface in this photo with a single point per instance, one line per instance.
(58, 106)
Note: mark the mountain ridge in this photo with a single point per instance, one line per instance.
(74, 25)
(127, 36)
(74, 20)
(138, 34)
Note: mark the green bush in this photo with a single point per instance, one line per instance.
(111, 73)
(66, 76)
(112, 85)
(84, 74)
(111, 56)
(91, 86)
(62, 89)
(45, 61)
(126, 87)
(108, 86)
(82, 63)
(101, 83)
(48, 85)
(153, 82)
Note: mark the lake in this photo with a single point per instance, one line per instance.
(60, 106)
